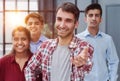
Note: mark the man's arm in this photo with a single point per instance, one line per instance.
(113, 61)
(33, 65)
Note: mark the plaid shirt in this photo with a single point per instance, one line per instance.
(43, 58)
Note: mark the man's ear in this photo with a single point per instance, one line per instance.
(42, 25)
(101, 19)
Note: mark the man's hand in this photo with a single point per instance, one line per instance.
(80, 59)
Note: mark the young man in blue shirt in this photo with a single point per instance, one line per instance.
(105, 59)
(35, 23)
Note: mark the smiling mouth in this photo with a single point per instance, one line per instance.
(20, 47)
(33, 30)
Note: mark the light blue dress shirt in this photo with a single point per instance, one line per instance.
(34, 45)
(105, 59)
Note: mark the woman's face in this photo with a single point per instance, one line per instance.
(20, 42)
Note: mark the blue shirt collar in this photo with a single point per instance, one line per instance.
(87, 34)
(41, 39)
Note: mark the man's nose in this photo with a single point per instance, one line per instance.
(19, 41)
(94, 17)
(62, 24)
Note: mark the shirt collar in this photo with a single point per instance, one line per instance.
(41, 39)
(87, 34)
(73, 43)
(13, 57)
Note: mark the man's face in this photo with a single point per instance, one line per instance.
(34, 25)
(20, 42)
(93, 18)
(65, 23)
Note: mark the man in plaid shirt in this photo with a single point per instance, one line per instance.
(66, 58)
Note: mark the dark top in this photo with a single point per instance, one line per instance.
(10, 69)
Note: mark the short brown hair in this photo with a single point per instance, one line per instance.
(70, 7)
(34, 15)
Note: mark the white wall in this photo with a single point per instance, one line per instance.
(115, 28)
(82, 5)
(104, 3)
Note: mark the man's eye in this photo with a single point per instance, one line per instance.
(23, 39)
(69, 20)
(97, 15)
(90, 15)
(30, 23)
(16, 39)
(58, 19)
(36, 23)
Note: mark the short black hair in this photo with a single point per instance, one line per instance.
(92, 7)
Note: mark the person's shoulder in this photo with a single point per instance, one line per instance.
(107, 36)
(47, 42)
(81, 35)
(6, 58)
(81, 40)
(45, 38)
